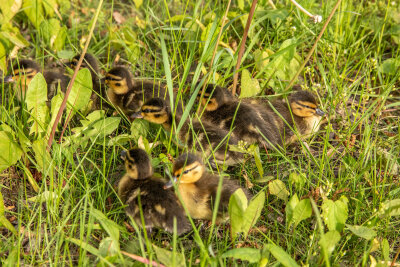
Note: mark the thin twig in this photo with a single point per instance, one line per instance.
(142, 260)
(242, 46)
(64, 103)
(314, 46)
(395, 257)
(214, 53)
(316, 18)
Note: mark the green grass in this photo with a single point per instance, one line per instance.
(355, 155)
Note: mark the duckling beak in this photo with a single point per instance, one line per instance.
(8, 79)
(137, 115)
(123, 154)
(319, 112)
(171, 182)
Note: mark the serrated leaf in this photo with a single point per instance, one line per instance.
(251, 255)
(335, 213)
(108, 225)
(302, 211)
(281, 255)
(278, 188)
(329, 240)
(362, 231)
(34, 10)
(249, 86)
(166, 257)
(81, 91)
(10, 151)
(290, 207)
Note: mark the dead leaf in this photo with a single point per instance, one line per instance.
(119, 19)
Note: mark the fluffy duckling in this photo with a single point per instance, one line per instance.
(198, 188)
(128, 94)
(202, 137)
(139, 190)
(26, 69)
(247, 121)
(301, 113)
(91, 63)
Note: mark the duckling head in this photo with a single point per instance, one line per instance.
(137, 163)
(304, 104)
(89, 62)
(119, 80)
(188, 168)
(23, 72)
(213, 97)
(154, 110)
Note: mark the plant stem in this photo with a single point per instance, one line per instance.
(64, 103)
(242, 46)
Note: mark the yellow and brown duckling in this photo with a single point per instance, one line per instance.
(198, 188)
(139, 190)
(24, 71)
(247, 121)
(301, 114)
(91, 63)
(203, 137)
(129, 94)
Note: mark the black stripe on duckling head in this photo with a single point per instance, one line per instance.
(24, 70)
(304, 104)
(89, 61)
(137, 163)
(214, 96)
(188, 168)
(119, 79)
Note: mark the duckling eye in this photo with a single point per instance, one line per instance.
(117, 84)
(186, 171)
(157, 115)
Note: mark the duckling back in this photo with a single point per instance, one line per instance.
(140, 191)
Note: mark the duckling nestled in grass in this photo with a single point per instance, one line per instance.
(203, 137)
(301, 113)
(198, 188)
(24, 71)
(139, 190)
(247, 121)
(91, 63)
(128, 94)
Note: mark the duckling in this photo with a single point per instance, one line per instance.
(198, 188)
(91, 63)
(203, 137)
(129, 94)
(246, 120)
(301, 113)
(26, 69)
(138, 189)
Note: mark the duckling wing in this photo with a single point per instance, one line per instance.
(159, 206)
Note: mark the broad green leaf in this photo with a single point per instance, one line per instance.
(249, 86)
(9, 8)
(42, 157)
(261, 59)
(362, 231)
(81, 91)
(251, 255)
(56, 102)
(6, 223)
(36, 97)
(139, 128)
(30, 178)
(281, 256)
(10, 151)
(59, 42)
(244, 216)
(390, 208)
(3, 57)
(240, 4)
(166, 257)
(103, 127)
(257, 159)
(299, 179)
(138, 3)
(278, 188)
(108, 247)
(302, 211)
(385, 249)
(120, 140)
(109, 226)
(290, 206)
(15, 37)
(44, 197)
(2, 208)
(335, 213)
(34, 10)
(49, 7)
(49, 29)
(329, 240)
(390, 66)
